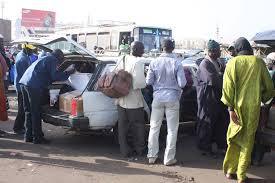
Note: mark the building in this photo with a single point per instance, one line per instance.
(190, 44)
(5, 30)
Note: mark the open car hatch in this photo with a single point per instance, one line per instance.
(69, 47)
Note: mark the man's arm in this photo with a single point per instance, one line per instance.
(228, 90)
(138, 76)
(150, 78)
(21, 67)
(56, 75)
(181, 79)
(210, 74)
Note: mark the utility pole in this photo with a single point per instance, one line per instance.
(2, 8)
(218, 33)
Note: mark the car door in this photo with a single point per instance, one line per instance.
(99, 108)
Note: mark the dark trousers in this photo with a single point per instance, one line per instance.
(32, 99)
(213, 131)
(131, 120)
(6, 87)
(20, 118)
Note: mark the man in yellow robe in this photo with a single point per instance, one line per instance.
(246, 84)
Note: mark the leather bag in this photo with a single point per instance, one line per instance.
(116, 84)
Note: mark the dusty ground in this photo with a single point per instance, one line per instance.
(95, 158)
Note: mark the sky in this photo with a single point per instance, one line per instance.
(187, 18)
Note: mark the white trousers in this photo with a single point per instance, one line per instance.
(171, 110)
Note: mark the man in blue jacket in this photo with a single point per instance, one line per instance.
(37, 78)
(22, 62)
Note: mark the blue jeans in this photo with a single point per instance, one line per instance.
(32, 107)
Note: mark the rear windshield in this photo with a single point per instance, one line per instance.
(66, 47)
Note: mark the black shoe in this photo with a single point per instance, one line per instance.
(141, 153)
(256, 163)
(128, 155)
(28, 140)
(19, 132)
(2, 132)
(41, 140)
(210, 154)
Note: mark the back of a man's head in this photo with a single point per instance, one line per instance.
(57, 53)
(137, 48)
(243, 47)
(168, 45)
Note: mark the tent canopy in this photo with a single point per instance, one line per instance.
(266, 37)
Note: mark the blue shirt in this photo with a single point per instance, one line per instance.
(42, 73)
(22, 62)
(167, 77)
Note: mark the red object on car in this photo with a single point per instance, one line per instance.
(77, 106)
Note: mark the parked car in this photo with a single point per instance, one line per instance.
(265, 135)
(99, 111)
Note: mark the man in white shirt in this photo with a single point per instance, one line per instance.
(131, 107)
(167, 77)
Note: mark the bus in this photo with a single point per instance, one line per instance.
(109, 37)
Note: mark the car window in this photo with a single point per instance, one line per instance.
(66, 47)
(109, 68)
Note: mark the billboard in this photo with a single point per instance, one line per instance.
(38, 19)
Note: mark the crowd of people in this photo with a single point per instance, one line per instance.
(228, 96)
(33, 74)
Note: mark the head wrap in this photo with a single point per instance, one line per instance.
(243, 47)
(270, 59)
(28, 46)
(213, 45)
(271, 56)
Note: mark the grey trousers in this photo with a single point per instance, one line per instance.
(131, 124)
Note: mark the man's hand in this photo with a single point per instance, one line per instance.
(71, 71)
(234, 117)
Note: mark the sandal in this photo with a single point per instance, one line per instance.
(231, 176)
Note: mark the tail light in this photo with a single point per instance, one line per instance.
(77, 106)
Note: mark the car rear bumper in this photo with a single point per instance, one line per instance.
(58, 118)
